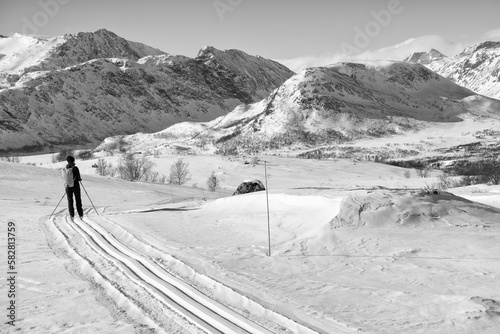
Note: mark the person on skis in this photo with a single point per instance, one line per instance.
(71, 177)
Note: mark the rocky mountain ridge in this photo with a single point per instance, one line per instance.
(477, 67)
(24, 54)
(333, 105)
(78, 89)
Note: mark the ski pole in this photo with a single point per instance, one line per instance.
(89, 198)
(58, 204)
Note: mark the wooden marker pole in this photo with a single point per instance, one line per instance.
(267, 200)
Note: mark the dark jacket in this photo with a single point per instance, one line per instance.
(76, 175)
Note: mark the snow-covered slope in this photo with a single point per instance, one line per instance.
(356, 248)
(340, 103)
(425, 58)
(81, 88)
(22, 54)
(477, 68)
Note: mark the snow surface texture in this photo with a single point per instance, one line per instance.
(355, 247)
(77, 89)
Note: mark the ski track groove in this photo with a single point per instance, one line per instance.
(137, 280)
(205, 313)
(284, 323)
(74, 254)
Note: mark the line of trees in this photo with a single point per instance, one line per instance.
(133, 167)
(466, 172)
(478, 171)
(62, 154)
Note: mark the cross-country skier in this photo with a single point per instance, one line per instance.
(71, 177)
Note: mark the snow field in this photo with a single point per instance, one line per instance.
(342, 261)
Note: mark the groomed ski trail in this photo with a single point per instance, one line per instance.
(205, 313)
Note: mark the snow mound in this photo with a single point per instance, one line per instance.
(392, 211)
(291, 216)
(412, 210)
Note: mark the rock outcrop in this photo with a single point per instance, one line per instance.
(249, 187)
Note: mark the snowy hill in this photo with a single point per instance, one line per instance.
(477, 68)
(333, 105)
(80, 88)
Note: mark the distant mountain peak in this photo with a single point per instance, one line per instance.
(104, 31)
(244, 70)
(24, 53)
(424, 58)
(209, 52)
(476, 67)
(206, 49)
(436, 53)
(100, 33)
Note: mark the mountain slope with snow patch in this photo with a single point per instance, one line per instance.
(79, 89)
(336, 104)
(477, 68)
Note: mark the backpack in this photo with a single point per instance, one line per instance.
(67, 175)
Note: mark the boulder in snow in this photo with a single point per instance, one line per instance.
(249, 187)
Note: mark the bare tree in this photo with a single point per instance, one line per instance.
(132, 167)
(154, 177)
(15, 159)
(103, 167)
(179, 172)
(445, 181)
(213, 182)
(61, 156)
(423, 172)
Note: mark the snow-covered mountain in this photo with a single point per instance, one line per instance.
(425, 58)
(336, 104)
(477, 67)
(20, 54)
(80, 88)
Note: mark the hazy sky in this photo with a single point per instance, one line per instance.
(300, 31)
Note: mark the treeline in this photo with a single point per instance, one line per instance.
(476, 172)
(138, 167)
(481, 171)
